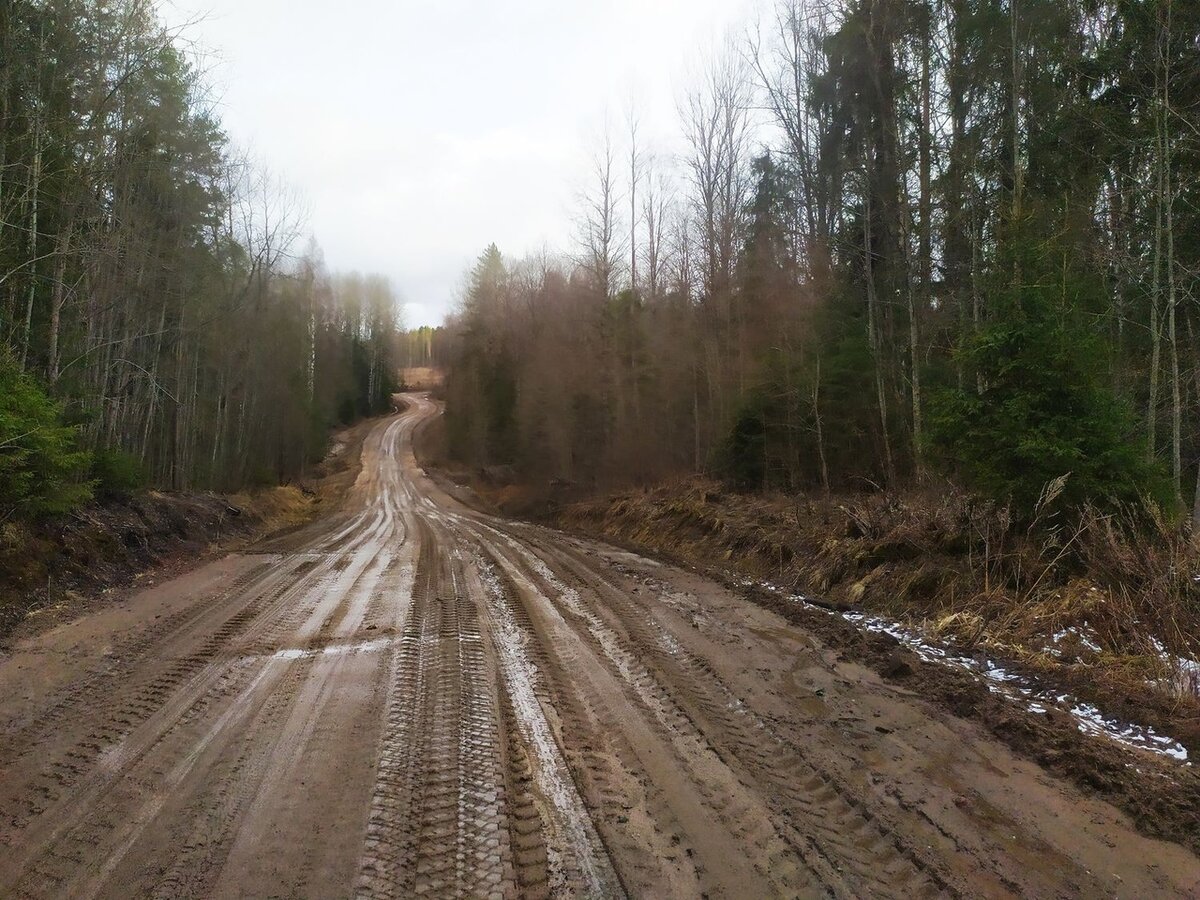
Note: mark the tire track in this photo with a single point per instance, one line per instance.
(789, 865)
(124, 662)
(416, 699)
(389, 848)
(813, 802)
(201, 843)
(94, 778)
(575, 856)
(438, 822)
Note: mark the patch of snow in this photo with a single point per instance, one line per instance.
(1085, 635)
(1012, 686)
(372, 646)
(571, 823)
(1185, 672)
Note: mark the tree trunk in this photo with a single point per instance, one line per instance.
(1017, 169)
(1172, 299)
(816, 407)
(1194, 520)
(35, 185)
(918, 306)
(56, 302)
(1156, 287)
(5, 65)
(633, 181)
(873, 337)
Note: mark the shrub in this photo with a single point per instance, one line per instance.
(116, 474)
(1043, 410)
(43, 470)
(742, 456)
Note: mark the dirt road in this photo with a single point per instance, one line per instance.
(412, 698)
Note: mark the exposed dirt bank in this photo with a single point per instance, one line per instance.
(56, 571)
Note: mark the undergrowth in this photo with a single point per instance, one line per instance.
(1107, 596)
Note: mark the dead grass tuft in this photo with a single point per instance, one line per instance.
(279, 507)
(1106, 600)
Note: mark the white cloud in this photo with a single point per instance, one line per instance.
(418, 132)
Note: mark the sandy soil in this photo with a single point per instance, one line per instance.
(413, 698)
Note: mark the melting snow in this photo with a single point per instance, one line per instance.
(1086, 637)
(571, 820)
(1185, 672)
(334, 649)
(1018, 688)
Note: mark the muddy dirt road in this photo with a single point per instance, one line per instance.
(411, 698)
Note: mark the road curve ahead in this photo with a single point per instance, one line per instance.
(410, 698)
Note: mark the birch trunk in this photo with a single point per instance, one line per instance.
(56, 302)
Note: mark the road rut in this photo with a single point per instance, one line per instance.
(412, 698)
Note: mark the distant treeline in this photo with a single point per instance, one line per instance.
(423, 347)
(154, 307)
(970, 243)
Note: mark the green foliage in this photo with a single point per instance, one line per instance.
(742, 458)
(42, 467)
(1044, 410)
(772, 441)
(500, 401)
(924, 271)
(116, 474)
(151, 276)
(847, 396)
(481, 418)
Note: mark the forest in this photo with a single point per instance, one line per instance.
(164, 319)
(908, 240)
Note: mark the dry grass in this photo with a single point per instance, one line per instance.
(279, 507)
(288, 505)
(1115, 589)
(103, 545)
(423, 378)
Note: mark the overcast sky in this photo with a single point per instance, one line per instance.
(418, 132)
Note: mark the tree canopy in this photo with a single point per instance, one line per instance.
(154, 289)
(964, 238)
